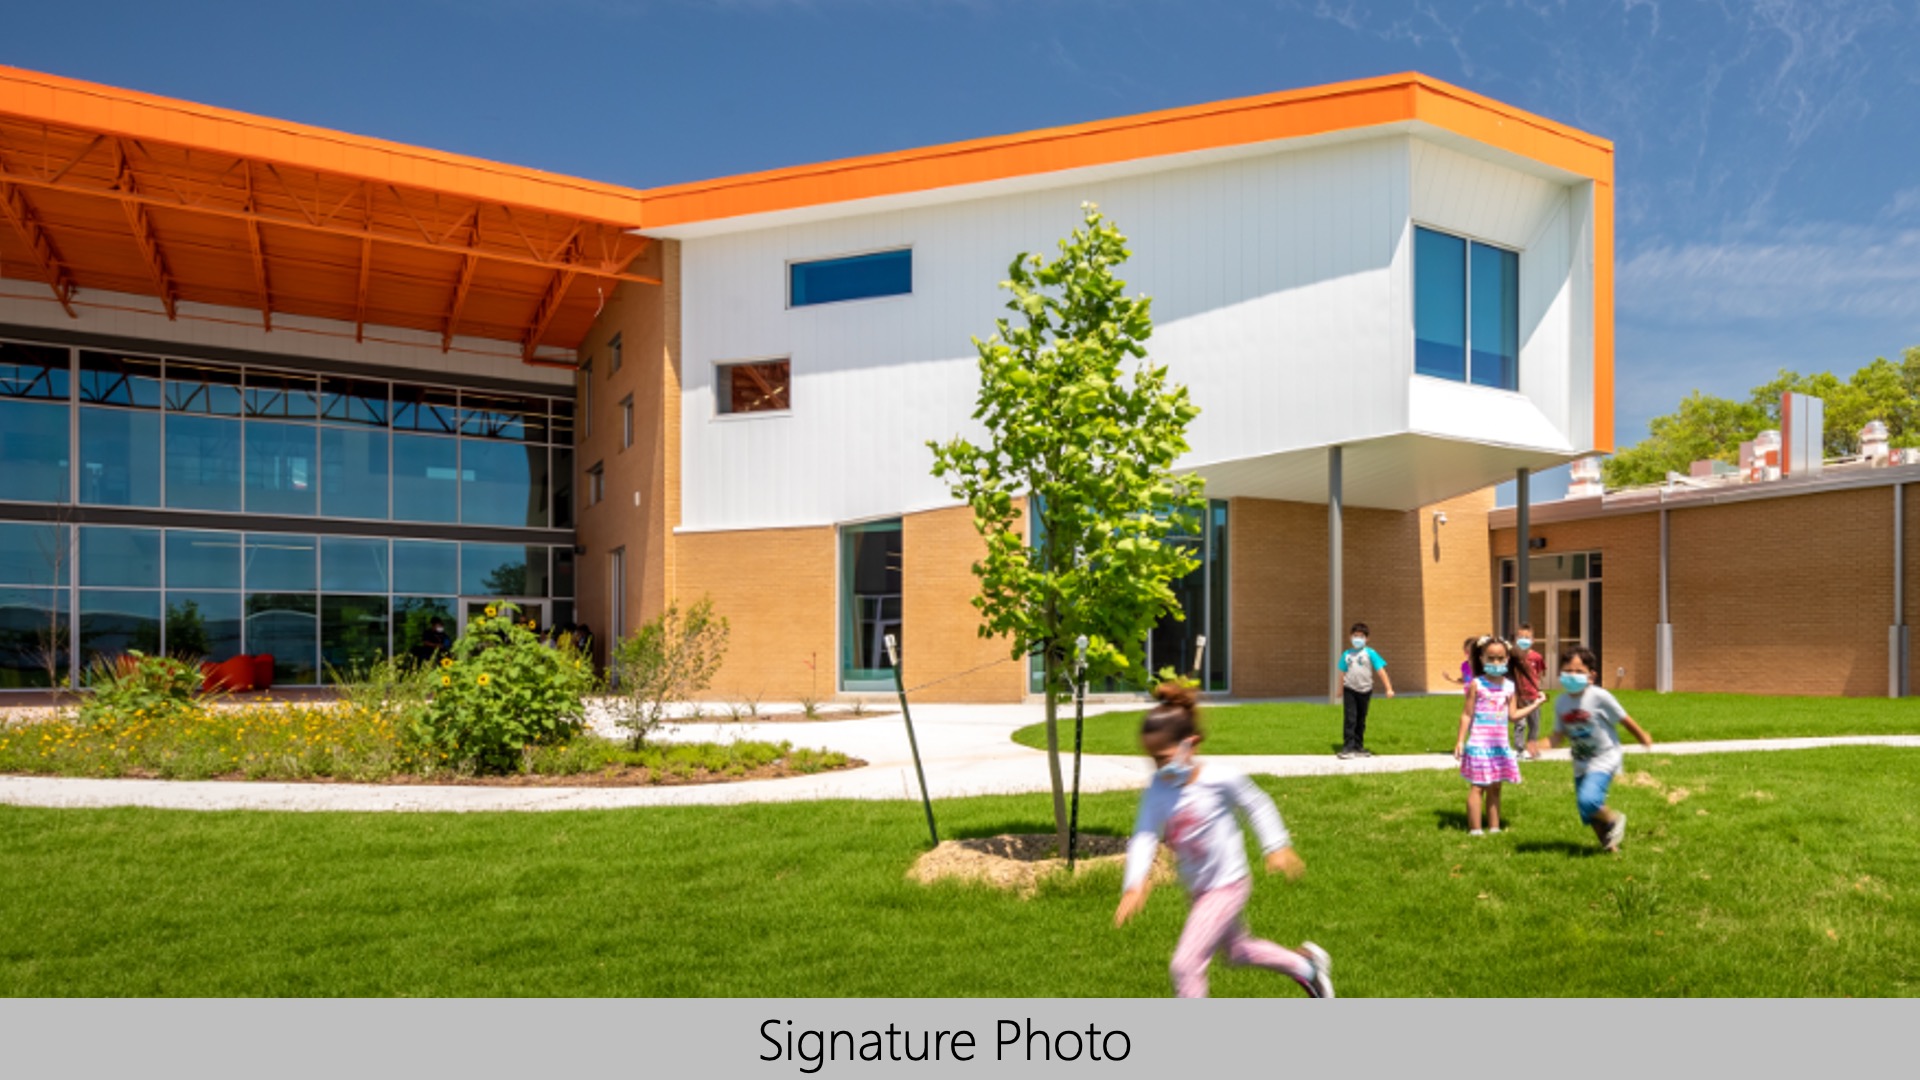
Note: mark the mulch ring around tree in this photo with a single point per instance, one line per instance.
(1019, 863)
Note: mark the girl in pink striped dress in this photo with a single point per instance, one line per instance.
(1484, 750)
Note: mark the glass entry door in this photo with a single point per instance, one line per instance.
(1558, 612)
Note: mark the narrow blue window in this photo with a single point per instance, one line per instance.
(856, 277)
(1495, 330)
(1439, 305)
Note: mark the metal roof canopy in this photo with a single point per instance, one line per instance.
(108, 189)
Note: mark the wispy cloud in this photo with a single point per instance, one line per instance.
(1833, 271)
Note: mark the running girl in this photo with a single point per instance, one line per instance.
(1486, 757)
(1589, 718)
(1193, 807)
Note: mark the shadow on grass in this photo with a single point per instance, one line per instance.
(1029, 827)
(1456, 820)
(1570, 848)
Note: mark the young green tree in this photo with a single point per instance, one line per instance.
(1093, 446)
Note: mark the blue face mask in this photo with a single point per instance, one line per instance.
(1180, 769)
(1359, 643)
(1524, 643)
(1573, 682)
(1496, 670)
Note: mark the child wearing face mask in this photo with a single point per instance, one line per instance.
(1486, 757)
(1529, 675)
(1193, 807)
(1358, 668)
(1590, 718)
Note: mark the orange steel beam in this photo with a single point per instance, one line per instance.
(360, 294)
(366, 267)
(613, 269)
(259, 259)
(143, 235)
(14, 203)
(459, 301)
(544, 313)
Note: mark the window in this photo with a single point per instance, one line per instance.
(596, 484)
(33, 422)
(749, 388)
(871, 586)
(503, 484)
(426, 478)
(586, 399)
(616, 593)
(613, 361)
(1466, 310)
(626, 422)
(856, 277)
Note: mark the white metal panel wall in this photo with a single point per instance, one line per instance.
(1476, 198)
(1282, 299)
(1580, 346)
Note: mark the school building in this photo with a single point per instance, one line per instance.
(271, 389)
(1778, 577)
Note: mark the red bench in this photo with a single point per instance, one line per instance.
(239, 674)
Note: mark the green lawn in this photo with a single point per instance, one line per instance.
(1428, 725)
(1774, 874)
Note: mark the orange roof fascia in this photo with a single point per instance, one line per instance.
(72, 103)
(1322, 110)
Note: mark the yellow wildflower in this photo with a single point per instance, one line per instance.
(492, 611)
(446, 680)
(446, 661)
(484, 679)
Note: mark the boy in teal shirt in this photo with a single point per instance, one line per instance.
(1359, 666)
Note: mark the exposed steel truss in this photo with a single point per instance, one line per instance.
(99, 210)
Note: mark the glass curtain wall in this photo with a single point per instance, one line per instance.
(195, 435)
(317, 604)
(153, 432)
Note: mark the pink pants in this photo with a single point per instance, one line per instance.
(1214, 926)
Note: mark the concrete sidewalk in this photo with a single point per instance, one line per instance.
(967, 750)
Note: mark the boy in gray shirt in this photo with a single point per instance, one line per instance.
(1589, 719)
(1359, 666)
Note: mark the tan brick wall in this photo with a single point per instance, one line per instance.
(939, 625)
(1456, 582)
(1783, 596)
(777, 590)
(1629, 546)
(1767, 596)
(642, 480)
(1416, 596)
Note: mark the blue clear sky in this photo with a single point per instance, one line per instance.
(1768, 151)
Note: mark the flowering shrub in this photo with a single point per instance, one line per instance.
(258, 741)
(135, 683)
(501, 692)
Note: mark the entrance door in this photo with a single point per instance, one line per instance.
(472, 608)
(1558, 612)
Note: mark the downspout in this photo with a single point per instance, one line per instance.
(1663, 633)
(1898, 645)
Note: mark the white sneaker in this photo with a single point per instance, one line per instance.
(1617, 832)
(1322, 982)
(1475, 832)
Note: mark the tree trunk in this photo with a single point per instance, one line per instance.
(1050, 675)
